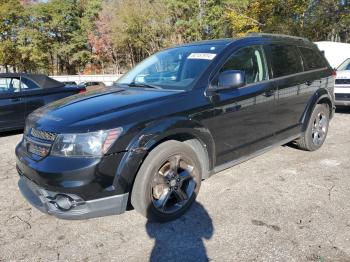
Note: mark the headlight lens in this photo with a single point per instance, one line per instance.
(85, 144)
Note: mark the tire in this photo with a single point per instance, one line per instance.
(168, 182)
(317, 129)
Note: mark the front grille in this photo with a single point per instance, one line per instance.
(342, 81)
(342, 97)
(38, 143)
(48, 136)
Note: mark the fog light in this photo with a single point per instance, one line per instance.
(63, 202)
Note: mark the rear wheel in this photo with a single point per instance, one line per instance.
(167, 182)
(317, 129)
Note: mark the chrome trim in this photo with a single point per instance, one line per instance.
(43, 135)
(37, 142)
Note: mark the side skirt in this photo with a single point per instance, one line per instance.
(255, 154)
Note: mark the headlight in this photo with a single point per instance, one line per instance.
(85, 144)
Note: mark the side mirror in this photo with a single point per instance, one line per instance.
(231, 79)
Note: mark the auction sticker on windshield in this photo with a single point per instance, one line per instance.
(206, 56)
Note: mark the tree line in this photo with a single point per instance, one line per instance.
(110, 36)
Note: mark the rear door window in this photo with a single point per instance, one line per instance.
(285, 60)
(312, 59)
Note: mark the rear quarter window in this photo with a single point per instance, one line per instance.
(285, 60)
(312, 59)
(28, 84)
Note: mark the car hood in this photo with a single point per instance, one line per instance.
(85, 112)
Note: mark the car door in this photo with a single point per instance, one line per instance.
(33, 95)
(36, 96)
(293, 88)
(12, 106)
(243, 122)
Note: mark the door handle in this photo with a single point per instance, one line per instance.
(16, 99)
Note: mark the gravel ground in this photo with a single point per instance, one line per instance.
(286, 205)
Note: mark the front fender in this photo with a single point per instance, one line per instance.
(153, 134)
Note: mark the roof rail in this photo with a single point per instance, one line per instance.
(277, 36)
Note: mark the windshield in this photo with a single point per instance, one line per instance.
(176, 68)
(345, 65)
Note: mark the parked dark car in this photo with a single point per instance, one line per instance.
(21, 94)
(148, 143)
(92, 85)
(70, 83)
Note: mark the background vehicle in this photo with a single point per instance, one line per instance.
(20, 94)
(92, 85)
(335, 52)
(70, 83)
(342, 84)
(152, 140)
(338, 55)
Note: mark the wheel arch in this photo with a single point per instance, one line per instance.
(179, 129)
(198, 146)
(320, 97)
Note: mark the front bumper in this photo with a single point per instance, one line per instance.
(342, 99)
(86, 185)
(44, 200)
(90, 178)
(342, 95)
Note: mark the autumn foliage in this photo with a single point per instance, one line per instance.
(100, 36)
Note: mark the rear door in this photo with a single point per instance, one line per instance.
(293, 88)
(12, 106)
(317, 70)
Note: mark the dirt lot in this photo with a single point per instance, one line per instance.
(286, 205)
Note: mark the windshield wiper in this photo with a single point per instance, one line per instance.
(133, 84)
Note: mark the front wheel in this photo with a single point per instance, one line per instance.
(167, 182)
(317, 129)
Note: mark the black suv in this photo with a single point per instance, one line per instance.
(177, 118)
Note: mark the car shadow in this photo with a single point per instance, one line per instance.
(182, 239)
(11, 133)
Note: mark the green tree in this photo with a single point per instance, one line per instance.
(134, 29)
(54, 37)
(11, 20)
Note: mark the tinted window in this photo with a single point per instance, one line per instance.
(28, 85)
(251, 61)
(285, 60)
(312, 59)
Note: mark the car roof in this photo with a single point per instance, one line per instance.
(278, 37)
(41, 80)
(223, 41)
